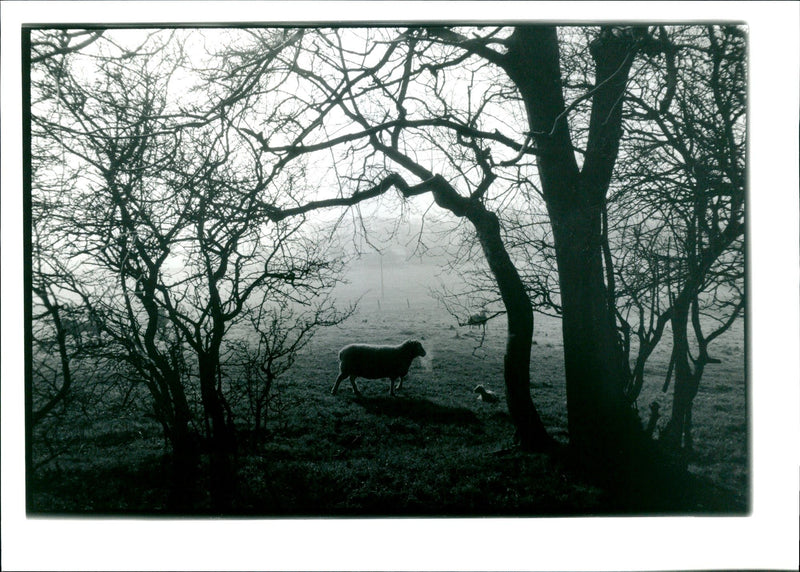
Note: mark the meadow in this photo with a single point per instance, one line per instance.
(434, 450)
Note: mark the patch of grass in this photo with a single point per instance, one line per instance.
(134, 488)
(420, 410)
(459, 483)
(430, 451)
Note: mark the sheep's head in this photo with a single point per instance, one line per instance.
(479, 389)
(415, 348)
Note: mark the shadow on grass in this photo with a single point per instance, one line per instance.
(420, 410)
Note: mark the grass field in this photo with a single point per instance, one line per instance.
(433, 450)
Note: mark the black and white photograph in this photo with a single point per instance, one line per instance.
(440, 270)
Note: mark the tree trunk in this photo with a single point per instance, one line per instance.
(599, 414)
(257, 420)
(677, 434)
(221, 438)
(185, 460)
(185, 455)
(600, 420)
(172, 411)
(172, 407)
(530, 429)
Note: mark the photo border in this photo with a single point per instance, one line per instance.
(766, 539)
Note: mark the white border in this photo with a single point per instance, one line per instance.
(768, 539)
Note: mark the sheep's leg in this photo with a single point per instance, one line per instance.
(400, 384)
(391, 385)
(339, 379)
(355, 387)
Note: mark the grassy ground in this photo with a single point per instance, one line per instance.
(433, 450)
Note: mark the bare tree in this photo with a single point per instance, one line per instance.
(681, 209)
(283, 332)
(163, 226)
(395, 100)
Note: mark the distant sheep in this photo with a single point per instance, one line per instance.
(478, 320)
(486, 395)
(377, 362)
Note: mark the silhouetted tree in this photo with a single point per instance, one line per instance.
(163, 227)
(680, 207)
(282, 333)
(375, 100)
(400, 105)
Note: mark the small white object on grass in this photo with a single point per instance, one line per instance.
(486, 395)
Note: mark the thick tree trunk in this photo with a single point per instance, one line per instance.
(221, 437)
(599, 414)
(172, 411)
(185, 455)
(185, 460)
(600, 420)
(172, 408)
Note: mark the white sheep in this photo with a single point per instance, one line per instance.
(377, 362)
(486, 395)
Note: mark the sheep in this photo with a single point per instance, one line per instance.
(478, 319)
(486, 395)
(377, 362)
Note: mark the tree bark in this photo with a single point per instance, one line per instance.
(221, 438)
(185, 461)
(600, 419)
(599, 414)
